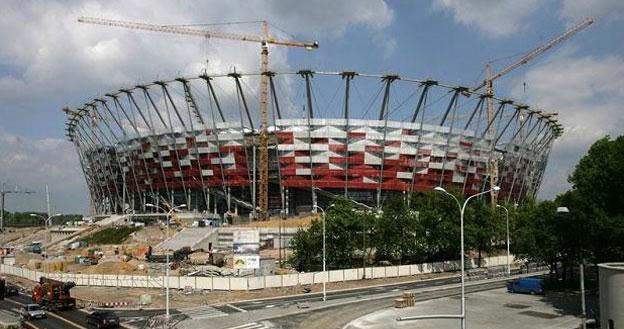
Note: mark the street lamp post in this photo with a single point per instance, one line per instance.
(507, 217)
(47, 222)
(324, 259)
(582, 274)
(461, 316)
(167, 254)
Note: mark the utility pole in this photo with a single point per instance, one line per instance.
(3, 192)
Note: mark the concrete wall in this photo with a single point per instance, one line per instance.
(611, 279)
(259, 282)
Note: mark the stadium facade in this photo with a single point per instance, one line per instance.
(193, 140)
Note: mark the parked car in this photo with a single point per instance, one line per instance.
(11, 291)
(103, 319)
(531, 286)
(32, 311)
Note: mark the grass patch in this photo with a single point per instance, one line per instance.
(112, 235)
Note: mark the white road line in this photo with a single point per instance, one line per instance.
(253, 325)
(236, 308)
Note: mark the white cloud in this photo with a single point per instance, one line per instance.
(48, 60)
(496, 19)
(588, 95)
(33, 163)
(610, 10)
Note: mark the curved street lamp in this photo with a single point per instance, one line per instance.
(149, 205)
(462, 208)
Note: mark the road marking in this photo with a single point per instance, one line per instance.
(65, 320)
(29, 325)
(252, 325)
(201, 312)
(236, 308)
(50, 314)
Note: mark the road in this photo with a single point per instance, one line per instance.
(284, 310)
(334, 295)
(339, 316)
(74, 319)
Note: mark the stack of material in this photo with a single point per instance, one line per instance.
(34, 264)
(406, 300)
(209, 270)
(55, 265)
(408, 296)
(399, 303)
(199, 258)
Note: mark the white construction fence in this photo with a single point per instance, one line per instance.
(250, 283)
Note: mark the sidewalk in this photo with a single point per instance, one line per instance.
(487, 309)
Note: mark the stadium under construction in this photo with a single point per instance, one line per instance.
(194, 141)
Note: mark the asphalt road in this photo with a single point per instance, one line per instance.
(339, 316)
(53, 321)
(362, 293)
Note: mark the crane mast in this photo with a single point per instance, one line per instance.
(264, 40)
(488, 83)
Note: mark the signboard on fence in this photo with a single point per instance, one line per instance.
(246, 261)
(246, 248)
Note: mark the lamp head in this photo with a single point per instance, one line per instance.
(439, 189)
(150, 205)
(496, 188)
(34, 215)
(563, 210)
(498, 206)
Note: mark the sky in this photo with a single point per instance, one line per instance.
(48, 60)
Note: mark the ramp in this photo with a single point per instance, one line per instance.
(194, 237)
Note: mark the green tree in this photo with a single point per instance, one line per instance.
(481, 228)
(438, 218)
(397, 233)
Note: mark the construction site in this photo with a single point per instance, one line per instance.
(200, 182)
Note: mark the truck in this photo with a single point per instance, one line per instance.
(54, 295)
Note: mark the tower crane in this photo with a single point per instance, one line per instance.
(264, 40)
(489, 85)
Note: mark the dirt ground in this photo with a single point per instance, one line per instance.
(205, 297)
(13, 237)
(303, 221)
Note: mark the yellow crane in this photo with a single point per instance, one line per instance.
(264, 40)
(489, 85)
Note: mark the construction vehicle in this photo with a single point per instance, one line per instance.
(54, 294)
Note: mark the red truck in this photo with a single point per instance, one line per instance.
(54, 294)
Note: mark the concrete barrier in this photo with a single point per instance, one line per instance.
(255, 283)
(351, 274)
(336, 276)
(239, 283)
(306, 278)
(273, 281)
(220, 283)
